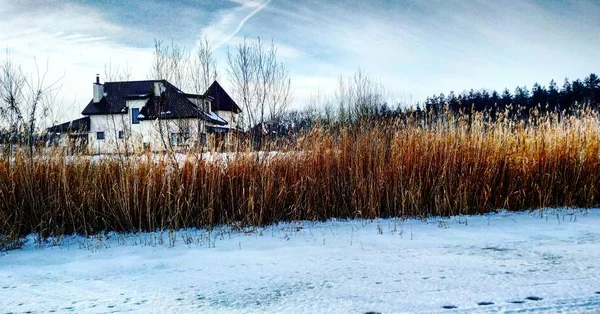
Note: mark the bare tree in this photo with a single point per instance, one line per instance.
(120, 123)
(12, 83)
(203, 71)
(165, 68)
(241, 75)
(170, 63)
(280, 95)
(260, 83)
(359, 97)
(320, 104)
(118, 73)
(39, 99)
(25, 101)
(203, 67)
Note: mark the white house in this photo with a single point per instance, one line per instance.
(151, 115)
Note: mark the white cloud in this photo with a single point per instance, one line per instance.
(76, 42)
(415, 48)
(228, 24)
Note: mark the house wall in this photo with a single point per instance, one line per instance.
(147, 134)
(229, 116)
(110, 125)
(180, 134)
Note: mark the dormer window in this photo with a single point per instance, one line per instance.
(135, 112)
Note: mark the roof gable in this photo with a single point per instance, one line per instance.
(221, 100)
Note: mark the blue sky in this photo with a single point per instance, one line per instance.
(415, 48)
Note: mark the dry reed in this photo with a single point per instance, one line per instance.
(450, 165)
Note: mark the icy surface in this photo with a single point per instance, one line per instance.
(508, 262)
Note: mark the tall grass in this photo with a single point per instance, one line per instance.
(447, 165)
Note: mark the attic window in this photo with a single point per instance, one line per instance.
(99, 135)
(135, 113)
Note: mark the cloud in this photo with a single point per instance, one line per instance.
(416, 48)
(421, 48)
(75, 48)
(228, 24)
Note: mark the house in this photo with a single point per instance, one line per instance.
(150, 115)
(74, 134)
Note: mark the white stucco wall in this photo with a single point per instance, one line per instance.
(229, 116)
(137, 136)
(146, 132)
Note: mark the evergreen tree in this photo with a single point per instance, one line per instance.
(592, 89)
(507, 98)
(521, 97)
(538, 95)
(553, 96)
(566, 94)
(578, 91)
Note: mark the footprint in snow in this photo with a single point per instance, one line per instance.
(449, 307)
(517, 302)
(597, 292)
(534, 298)
(372, 312)
(485, 303)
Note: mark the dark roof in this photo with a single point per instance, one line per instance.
(221, 100)
(79, 125)
(175, 106)
(171, 104)
(116, 94)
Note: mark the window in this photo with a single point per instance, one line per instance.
(178, 139)
(146, 146)
(99, 135)
(121, 135)
(135, 112)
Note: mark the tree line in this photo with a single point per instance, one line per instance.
(546, 99)
(359, 100)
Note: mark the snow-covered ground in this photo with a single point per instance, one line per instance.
(506, 262)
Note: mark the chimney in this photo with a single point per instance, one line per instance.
(158, 88)
(98, 90)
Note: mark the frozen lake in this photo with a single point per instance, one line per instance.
(507, 262)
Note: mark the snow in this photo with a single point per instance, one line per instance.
(215, 117)
(140, 116)
(343, 266)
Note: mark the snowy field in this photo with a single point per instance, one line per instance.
(506, 262)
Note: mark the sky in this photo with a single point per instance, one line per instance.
(414, 48)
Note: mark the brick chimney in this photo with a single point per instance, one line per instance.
(98, 90)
